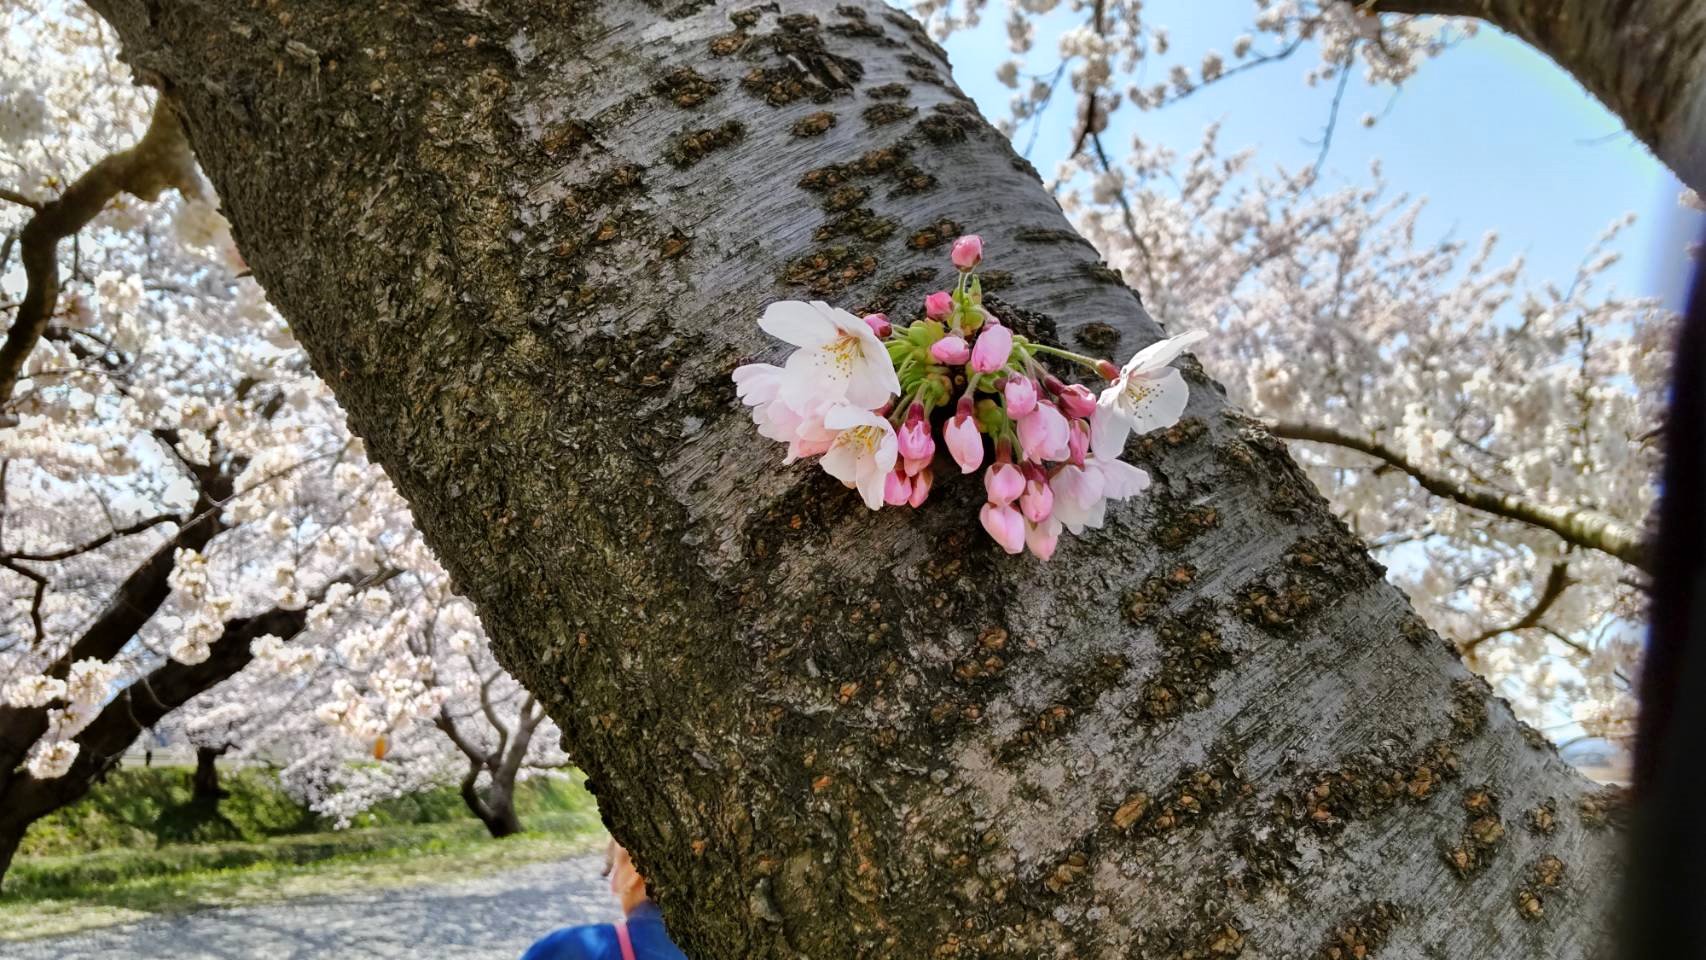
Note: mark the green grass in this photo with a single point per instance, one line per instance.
(127, 810)
(55, 893)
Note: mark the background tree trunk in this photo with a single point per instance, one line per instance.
(1644, 59)
(204, 783)
(527, 242)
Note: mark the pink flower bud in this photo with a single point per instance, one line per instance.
(1037, 502)
(1021, 396)
(1043, 538)
(921, 486)
(964, 442)
(914, 441)
(951, 351)
(994, 346)
(897, 490)
(968, 250)
(939, 304)
(1076, 400)
(1003, 482)
(1077, 442)
(879, 324)
(1044, 434)
(1005, 525)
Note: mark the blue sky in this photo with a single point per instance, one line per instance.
(1493, 134)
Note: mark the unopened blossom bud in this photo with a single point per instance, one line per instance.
(1077, 442)
(1077, 401)
(1005, 525)
(1037, 502)
(1021, 396)
(1044, 434)
(968, 251)
(879, 324)
(897, 489)
(915, 442)
(994, 345)
(965, 443)
(940, 304)
(1003, 482)
(921, 486)
(952, 351)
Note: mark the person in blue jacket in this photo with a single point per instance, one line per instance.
(638, 936)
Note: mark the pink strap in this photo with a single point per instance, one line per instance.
(622, 938)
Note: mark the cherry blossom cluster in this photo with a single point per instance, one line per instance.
(166, 366)
(876, 401)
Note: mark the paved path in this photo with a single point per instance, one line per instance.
(491, 918)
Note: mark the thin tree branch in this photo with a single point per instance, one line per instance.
(99, 541)
(35, 601)
(446, 723)
(1260, 60)
(1588, 529)
(1332, 117)
(1557, 581)
(20, 199)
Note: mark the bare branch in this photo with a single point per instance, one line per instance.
(99, 541)
(35, 601)
(445, 722)
(1584, 528)
(1332, 117)
(1557, 581)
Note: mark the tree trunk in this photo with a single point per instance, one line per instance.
(204, 785)
(496, 809)
(501, 820)
(527, 242)
(1644, 59)
(11, 837)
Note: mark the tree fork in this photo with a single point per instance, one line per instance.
(526, 244)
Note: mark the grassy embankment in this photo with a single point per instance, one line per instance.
(136, 846)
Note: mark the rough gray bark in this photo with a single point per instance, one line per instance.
(1644, 59)
(527, 242)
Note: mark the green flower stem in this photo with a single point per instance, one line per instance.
(1091, 362)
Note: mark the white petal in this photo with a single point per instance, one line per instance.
(876, 372)
(1074, 491)
(1121, 480)
(871, 484)
(1108, 430)
(842, 463)
(871, 387)
(844, 416)
(887, 452)
(812, 377)
(798, 323)
(1161, 405)
(1161, 352)
(757, 383)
